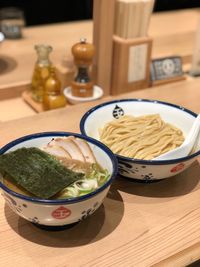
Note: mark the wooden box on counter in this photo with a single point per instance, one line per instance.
(131, 64)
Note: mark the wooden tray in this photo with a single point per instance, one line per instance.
(26, 95)
(166, 81)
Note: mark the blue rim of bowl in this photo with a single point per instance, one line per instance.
(139, 161)
(55, 134)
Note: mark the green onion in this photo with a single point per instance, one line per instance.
(68, 192)
(82, 187)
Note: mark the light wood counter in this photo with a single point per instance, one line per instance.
(11, 109)
(138, 224)
(173, 34)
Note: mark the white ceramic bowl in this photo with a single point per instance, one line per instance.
(97, 94)
(59, 212)
(146, 170)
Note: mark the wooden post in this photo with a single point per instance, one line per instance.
(103, 30)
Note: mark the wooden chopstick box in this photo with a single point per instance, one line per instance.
(131, 64)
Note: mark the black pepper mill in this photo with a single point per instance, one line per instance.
(82, 85)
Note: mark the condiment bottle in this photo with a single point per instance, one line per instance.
(82, 85)
(41, 71)
(53, 97)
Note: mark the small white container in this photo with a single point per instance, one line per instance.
(97, 94)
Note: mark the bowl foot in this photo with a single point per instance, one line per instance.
(54, 228)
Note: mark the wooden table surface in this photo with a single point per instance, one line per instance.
(173, 33)
(139, 224)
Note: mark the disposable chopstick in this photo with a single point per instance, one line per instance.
(118, 18)
(132, 18)
(147, 11)
(125, 19)
(122, 17)
(137, 19)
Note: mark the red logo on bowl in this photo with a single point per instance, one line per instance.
(61, 213)
(178, 167)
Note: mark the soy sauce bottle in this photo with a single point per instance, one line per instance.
(53, 97)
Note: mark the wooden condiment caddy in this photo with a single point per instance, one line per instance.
(131, 64)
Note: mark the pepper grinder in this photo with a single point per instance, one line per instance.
(82, 85)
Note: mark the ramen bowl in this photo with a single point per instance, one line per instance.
(59, 212)
(143, 170)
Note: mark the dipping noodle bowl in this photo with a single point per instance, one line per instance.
(139, 130)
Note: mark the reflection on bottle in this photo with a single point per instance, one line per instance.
(53, 97)
(41, 71)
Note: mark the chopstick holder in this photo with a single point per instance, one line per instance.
(131, 64)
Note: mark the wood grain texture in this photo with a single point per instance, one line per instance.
(170, 80)
(14, 90)
(17, 57)
(14, 108)
(138, 225)
(36, 106)
(104, 12)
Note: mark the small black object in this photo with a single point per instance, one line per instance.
(118, 112)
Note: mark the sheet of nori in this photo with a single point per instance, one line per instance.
(37, 171)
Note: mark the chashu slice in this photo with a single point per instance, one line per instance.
(71, 147)
(85, 149)
(76, 161)
(56, 151)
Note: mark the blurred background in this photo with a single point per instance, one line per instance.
(45, 12)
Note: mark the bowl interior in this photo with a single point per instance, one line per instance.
(96, 118)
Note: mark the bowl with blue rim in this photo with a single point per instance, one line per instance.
(143, 170)
(54, 212)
